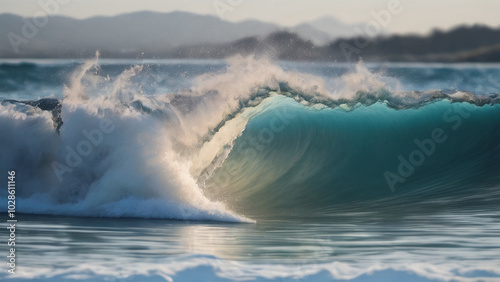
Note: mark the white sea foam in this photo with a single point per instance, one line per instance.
(210, 268)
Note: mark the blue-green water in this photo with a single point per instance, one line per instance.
(252, 170)
(358, 245)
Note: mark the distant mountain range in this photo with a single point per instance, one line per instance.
(142, 31)
(186, 35)
(462, 44)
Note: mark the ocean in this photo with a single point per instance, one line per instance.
(250, 170)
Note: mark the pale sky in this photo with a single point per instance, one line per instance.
(416, 16)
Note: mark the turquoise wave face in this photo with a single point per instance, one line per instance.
(291, 158)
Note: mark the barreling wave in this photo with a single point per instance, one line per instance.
(292, 160)
(250, 141)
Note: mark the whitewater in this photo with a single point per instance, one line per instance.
(249, 169)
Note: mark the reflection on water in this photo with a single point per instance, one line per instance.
(63, 242)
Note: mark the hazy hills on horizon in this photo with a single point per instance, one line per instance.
(66, 36)
(186, 35)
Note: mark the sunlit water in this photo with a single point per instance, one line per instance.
(458, 243)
